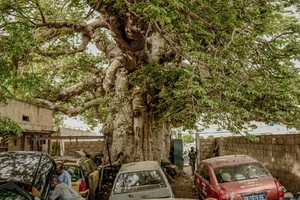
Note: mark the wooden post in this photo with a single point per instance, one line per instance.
(198, 150)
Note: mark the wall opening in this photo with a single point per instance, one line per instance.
(25, 118)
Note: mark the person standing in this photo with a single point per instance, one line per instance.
(192, 155)
(62, 174)
(62, 191)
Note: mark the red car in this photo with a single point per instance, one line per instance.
(237, 177)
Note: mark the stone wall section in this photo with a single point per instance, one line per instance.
(90, 147)
(207, 147)
(279, 153)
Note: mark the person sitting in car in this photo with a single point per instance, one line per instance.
(62, 191)
(62, 174)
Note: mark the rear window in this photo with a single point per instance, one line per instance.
(74, 171)
(140, 180)
(240, 172)
(88, 167)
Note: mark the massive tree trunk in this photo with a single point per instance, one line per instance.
(136, 135)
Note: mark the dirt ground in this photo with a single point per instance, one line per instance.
(182, 185)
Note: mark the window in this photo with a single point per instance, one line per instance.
(200, 168)
(240, 172)
(87, 168)
(25, 118)
(139, 181)
(74, 172)
(15, 141)
(92, 165)
(9, 193)
(29, 141)
(205, 174)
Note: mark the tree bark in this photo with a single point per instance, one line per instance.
(136, 135)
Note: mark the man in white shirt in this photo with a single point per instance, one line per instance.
(63, 191)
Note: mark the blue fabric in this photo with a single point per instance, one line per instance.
(65, 177)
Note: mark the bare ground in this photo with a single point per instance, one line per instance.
(183, 184)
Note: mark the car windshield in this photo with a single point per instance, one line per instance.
(140, 180)
(240, 172)
(74, 171)
(8, 194)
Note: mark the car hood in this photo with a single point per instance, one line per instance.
(31, 168)
(145, 194)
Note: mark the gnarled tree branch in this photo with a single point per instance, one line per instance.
(80, 87)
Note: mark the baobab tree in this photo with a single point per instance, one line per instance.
(143, 67)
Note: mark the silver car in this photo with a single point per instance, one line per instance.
(141, 180)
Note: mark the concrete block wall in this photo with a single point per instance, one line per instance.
(90, 147)
(279, 153)
(206, 148)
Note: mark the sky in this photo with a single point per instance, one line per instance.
(76, 123)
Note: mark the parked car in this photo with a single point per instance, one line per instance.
(84, 174)
(238, 177)
(25, 175)
(141, 180)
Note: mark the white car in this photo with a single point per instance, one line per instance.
(141, 180)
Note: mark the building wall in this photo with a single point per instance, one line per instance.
(206, 148)
(279, 153)
(28, 116)
(90, 147)
(17, 145)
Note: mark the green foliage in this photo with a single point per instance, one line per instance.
(240, 59)
(8, 129)
(188, 138)
(240, 54)
(210, 137)
(55, 151)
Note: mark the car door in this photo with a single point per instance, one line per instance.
(206, 182)
(93, 177)
(199, 181)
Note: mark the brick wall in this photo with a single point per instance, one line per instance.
(206, 148)
(279, 153)
(90, 147)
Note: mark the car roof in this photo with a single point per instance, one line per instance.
(140, 166)
(229, 160)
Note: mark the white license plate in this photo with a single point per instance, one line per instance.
(256, 197)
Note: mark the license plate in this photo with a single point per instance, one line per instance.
(256, 197)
